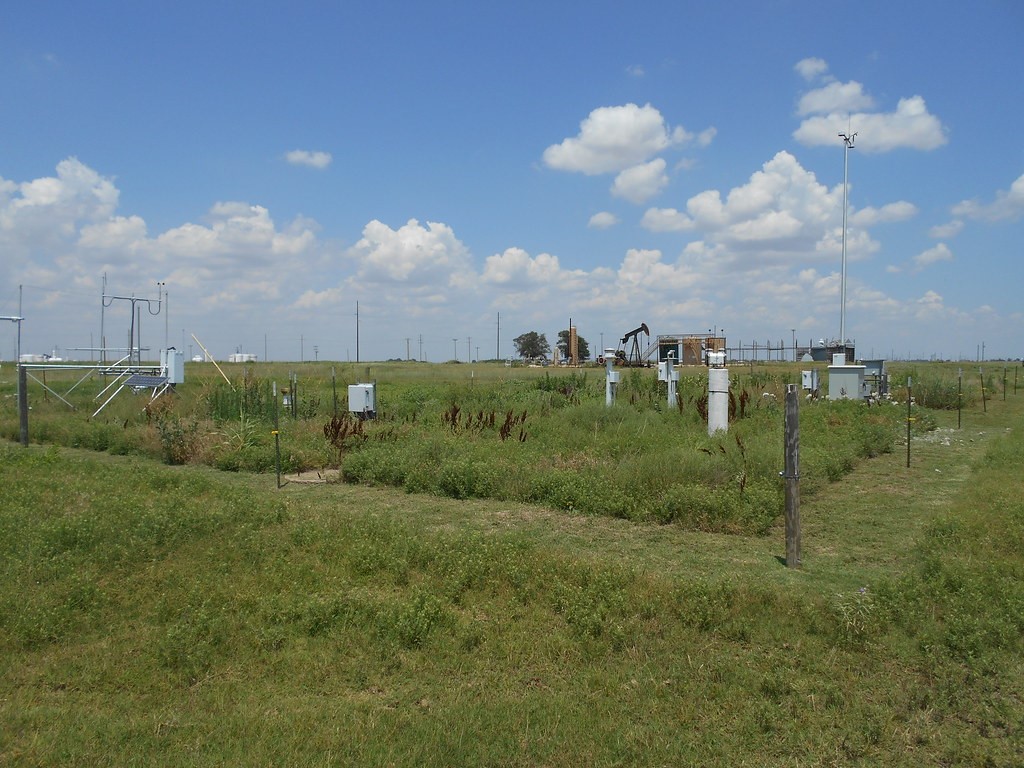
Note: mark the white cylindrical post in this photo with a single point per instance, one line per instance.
(718, 400)
(611, 377)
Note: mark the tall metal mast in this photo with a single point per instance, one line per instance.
(848, 140)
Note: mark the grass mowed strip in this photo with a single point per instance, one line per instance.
(154, 615)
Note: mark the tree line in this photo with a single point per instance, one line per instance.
(532, 345)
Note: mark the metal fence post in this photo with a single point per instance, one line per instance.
(792, 476)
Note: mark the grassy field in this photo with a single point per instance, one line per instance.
(511, 434)
(154, 614)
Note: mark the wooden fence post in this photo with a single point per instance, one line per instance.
(792, 476)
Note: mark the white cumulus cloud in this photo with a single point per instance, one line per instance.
(1006, 206)
(835, 97)
(899, 211)
(666, 220)
(705, 137)
(782, 215)
(911, 126)
(603, 220)
(612, 139)
(65, 230)
(644, 268)
(947, 230)
(810, 68)
(932, 256)
(410, 254)
(54, 207)
(318, 160)
(516, 268)
(641, 182)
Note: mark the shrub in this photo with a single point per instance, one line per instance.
(723, 510)
(412, 621)
(178, 440)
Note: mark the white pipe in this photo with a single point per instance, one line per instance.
(611, 377)
(718, 400)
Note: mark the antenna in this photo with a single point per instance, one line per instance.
(848, 141)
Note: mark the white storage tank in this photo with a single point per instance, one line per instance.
(362, 400)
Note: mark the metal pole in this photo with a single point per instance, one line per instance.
(103, 307)
(277, 437)
(23, 402)
(984, 402)
(334, 388)
(792, 477)
(909, 417)
(959, 394)
(22, 377)
(848, 140)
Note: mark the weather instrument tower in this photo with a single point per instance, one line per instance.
(848, 141)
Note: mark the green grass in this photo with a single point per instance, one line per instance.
(154, 614)
(511, 434)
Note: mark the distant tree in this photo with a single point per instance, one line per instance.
(581, 345)
(532, 344)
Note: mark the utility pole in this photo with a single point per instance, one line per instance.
(357, 331)
(497, 341)
(848, 142)
(455, 349)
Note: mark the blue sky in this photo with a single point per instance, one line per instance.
(447, 163)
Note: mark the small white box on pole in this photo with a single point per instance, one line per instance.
(362, 400)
